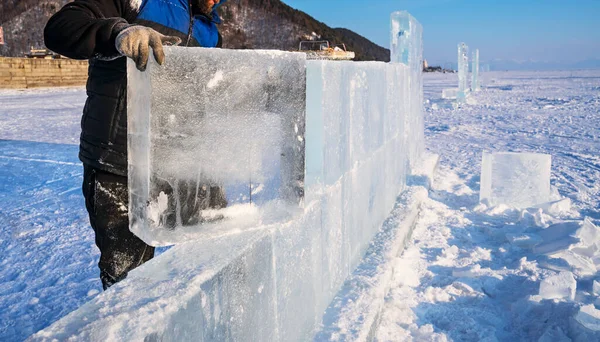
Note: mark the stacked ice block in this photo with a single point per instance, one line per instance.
(210, 131)
(356, 153)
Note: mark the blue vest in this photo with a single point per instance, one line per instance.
(175, 15)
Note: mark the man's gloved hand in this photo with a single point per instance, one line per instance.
(135, 42)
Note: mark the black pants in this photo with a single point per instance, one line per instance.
(106, 199)
(107, 202)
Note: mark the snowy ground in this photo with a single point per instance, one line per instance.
(464, 281)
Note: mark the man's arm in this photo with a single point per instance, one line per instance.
(88, 28)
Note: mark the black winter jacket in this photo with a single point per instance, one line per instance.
(86, 29)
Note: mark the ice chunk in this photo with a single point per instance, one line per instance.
(521, 180)
(450, 93)
(556, 208)
(557, 237)
(580, 265)
(582, 238)
(589, 317)
(555, 334)
(475, 71)
(561, 286)
(596, 288)
(208, 127)
(463, 72)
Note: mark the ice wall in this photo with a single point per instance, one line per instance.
(521, 180)
(463, 71)
(475, 86)
(273, 280)
(209, 132)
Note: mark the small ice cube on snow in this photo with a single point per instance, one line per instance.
(520, 180)
(561, 286)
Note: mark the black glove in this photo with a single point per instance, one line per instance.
(135, 42)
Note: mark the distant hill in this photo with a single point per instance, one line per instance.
(23, 22)
(531, 65)
(500, 65)
(248, 24)
(271, 24)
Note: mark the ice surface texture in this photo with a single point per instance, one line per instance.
(521, 180)
(207, 120)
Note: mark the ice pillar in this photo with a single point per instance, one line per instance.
(463, 71)
(407, 48)
(475, 71)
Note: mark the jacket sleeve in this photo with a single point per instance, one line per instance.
(87, 28)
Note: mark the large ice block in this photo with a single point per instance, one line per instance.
(521, 180)
(463, 71)
(211, 129)
(475, 71)
(406, 47)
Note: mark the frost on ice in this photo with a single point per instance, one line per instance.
(520, 180)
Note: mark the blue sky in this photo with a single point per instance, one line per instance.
(542, 30)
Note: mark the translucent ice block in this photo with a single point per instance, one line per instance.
(211, 129)
(521, 180)
(406, 47)
(360, 135)
(450, 93)
(463, 71)
(475, 71)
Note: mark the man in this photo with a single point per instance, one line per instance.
(106, 32)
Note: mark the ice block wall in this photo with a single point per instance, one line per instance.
(475, 71)
(211, 131)
(356, 155)
(521, 180)
(406, 47)
(463, 71)
(271, 281)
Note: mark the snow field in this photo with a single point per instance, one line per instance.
(479, 273)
